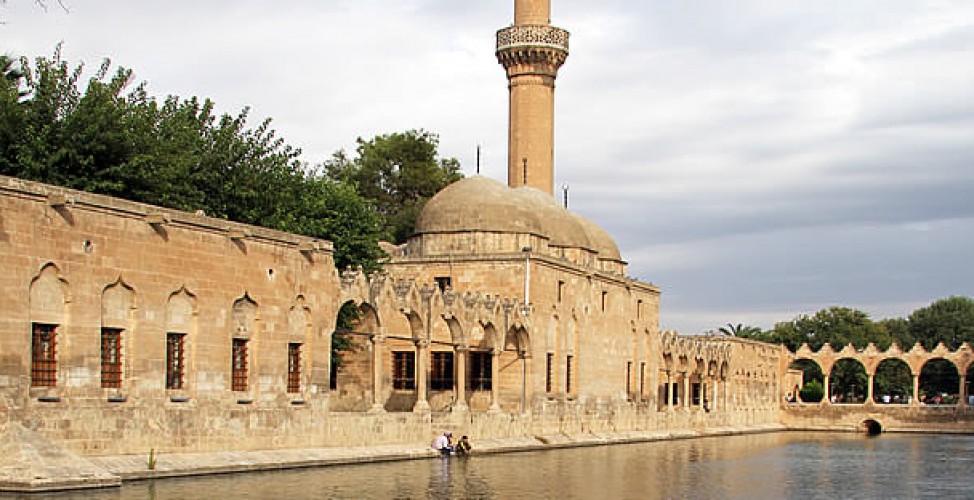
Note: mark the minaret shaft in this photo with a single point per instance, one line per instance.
(532, 12)
(531, 52)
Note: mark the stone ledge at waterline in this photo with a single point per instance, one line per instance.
(32, 463)
(29, 462)
(131, 467)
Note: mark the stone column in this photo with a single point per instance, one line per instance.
(915, 400)
(828, 390)
(869, 389)
(962, 392)
(713, 398)
(376, 342)
(669, 391)
(422, 404)
(495, 371)
(461, 379)
(685, 400)
(726, 389)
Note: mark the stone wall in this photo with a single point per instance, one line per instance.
(81, 264)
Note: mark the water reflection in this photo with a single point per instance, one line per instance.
(790, 465)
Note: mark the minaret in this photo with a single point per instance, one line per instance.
(531, 51)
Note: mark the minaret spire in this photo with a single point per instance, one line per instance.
(531, 51)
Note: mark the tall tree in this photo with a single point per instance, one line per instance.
(949, 320)
(836, 325)
(109, 136)
(397, 172)
(741, 330)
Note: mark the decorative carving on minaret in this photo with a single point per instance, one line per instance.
(531, 52)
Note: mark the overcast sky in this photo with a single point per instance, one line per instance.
(755, 159)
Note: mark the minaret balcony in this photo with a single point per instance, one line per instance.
(531, 35)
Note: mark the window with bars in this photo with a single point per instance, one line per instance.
(568, 373)
(441, 372)
(111, 358)
(403, 370)
(480, 371)
(549, 372)
(238, 376)
(629, 379)
(642, 379)
(175, 360)
(43, 355)
(294, 368)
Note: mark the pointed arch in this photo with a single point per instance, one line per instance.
(244, 317)
(117, 318)
(49, 296)
(181, 326)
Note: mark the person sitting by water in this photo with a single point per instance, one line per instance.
(463, 446)
(441, 443)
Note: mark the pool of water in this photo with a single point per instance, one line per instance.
(780, 465)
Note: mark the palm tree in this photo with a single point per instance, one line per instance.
(740, 330)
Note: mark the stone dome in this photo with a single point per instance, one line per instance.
(481, 204)
(561, 227)
(599, 237)
(478, 203)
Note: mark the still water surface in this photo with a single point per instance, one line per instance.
(783, 465)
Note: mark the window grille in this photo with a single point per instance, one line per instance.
(642, 379)
(568, 373)
(403, 370)
(111, 358)
(549, 372)
(44, 355)
(441, 376)
(629, 379)
(294, 368)
(175, 360)
(238, 378)
(480, 371)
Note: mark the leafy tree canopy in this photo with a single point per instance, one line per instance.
(949, 320)
(741, 330)
(837, 326)
(109, 136)
(398, 173)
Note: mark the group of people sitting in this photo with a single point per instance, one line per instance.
(444, 444)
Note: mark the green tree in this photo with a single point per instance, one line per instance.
(899, 331)
(11, 112)
(837, 326)
(741, 330)
(949, 320)
(812, 392)
(109, 136)
(398, 173)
